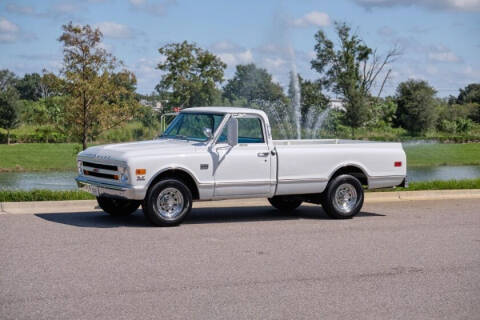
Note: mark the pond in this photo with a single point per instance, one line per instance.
(65, 180)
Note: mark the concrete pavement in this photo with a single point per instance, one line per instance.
(396, 260)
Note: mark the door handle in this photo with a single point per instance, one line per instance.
(263, 154)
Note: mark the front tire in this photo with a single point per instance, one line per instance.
(285, 203)
(118, 207)
(343, 198)
(168, 202)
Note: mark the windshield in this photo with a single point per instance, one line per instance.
(190, 126)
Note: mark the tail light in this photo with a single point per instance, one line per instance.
(397, 164)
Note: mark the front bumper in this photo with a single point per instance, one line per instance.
(102, 189)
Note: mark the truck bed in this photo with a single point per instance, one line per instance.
(320, 141)
(308, 164)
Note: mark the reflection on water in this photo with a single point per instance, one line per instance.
(443, 173)
(38, 180)
(65, 180)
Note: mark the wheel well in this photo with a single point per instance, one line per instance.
(353, 171)
(179, 175)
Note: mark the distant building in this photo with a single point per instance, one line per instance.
(155, 105)
(336, 104)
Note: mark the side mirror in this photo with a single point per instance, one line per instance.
(208, 133)
(232, 132)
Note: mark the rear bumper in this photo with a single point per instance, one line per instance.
(102, 189)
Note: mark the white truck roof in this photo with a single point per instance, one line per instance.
(224, 110)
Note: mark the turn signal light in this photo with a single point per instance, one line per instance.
(397, 164)
(139, 172)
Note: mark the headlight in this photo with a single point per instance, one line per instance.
(79, 167)
(123, 174)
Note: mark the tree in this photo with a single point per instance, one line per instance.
(471, 94)
(29, 87)
(383, 112)
(350, 69)
(7, 79)
(8, 110)
(191, 75)
(416, 106)
(51, 85)
(98, 101)
(311, 98)
(252, 83)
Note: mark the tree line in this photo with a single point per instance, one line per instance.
(94, 92)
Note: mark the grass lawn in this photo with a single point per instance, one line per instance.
(61, 156)
(443, 154)
(38, 156)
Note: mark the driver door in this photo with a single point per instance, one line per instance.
(244, 169)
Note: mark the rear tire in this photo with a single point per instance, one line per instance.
(118, 207)
(343, 198)
(285, 203)
(168, 202)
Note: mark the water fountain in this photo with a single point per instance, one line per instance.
(286, 119)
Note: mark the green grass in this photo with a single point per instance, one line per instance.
(38, 156)
(43, 195)
(443, 154)
(48, 195)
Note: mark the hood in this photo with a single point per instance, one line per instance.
(124, 151)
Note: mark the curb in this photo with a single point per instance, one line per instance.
(71, 206)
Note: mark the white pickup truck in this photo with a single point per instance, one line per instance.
(212, 153)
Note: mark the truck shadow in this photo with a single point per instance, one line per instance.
(96, 219)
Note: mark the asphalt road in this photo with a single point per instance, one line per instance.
(403, 260)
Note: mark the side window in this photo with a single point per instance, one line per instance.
(250, 130)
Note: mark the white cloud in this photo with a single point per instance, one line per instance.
(9, 31)
(65, 8)
(274, 63)
(461, 5)
(147, 74)
(224, 46)
(442, 54)
(233, 59)
(152, 7)
(115, 30)
(386, 31)
(314, 18)
(19, 9)
(138, 2)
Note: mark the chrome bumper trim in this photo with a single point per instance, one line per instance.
(102, 189)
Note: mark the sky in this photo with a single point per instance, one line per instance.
(439, 40)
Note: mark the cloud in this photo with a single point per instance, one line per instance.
(9, 31)
(64, 8)
(442, 54)
(19, 9)
(147, 73)
(274, 63)
(231, 53)
(115, 30)
(460, 5)
(386, 31)
(158, 8)
(224, 46)
(232, 59)
(314, 18)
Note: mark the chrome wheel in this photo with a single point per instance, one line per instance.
(170, 203)
(345, 198)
